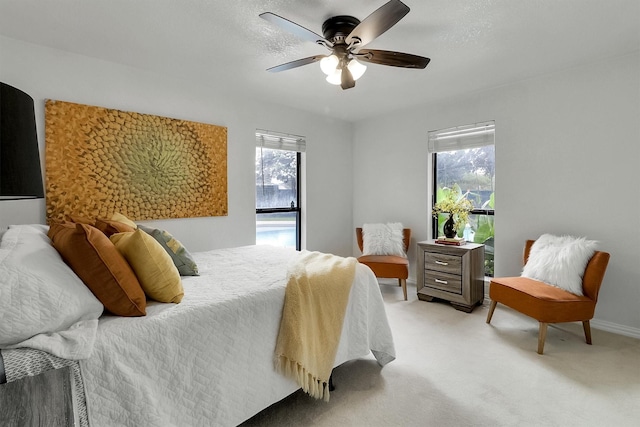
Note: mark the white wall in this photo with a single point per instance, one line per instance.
(46, 73)
(567, 152)
(567, 160)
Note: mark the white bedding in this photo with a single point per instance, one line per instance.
(209, 360)
(43, 304)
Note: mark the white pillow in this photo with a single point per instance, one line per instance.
(560, 261)
(383, 239)
(43, 304)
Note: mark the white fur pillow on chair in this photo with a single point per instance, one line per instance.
(560, 261)
(383, 239)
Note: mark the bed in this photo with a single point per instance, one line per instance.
(208, 360)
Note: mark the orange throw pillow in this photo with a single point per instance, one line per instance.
(98, 263)
(79, 219)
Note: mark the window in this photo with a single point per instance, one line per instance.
(278, 213)
(463, 160)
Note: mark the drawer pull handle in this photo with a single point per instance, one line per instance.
(442, 263)
(444, 282)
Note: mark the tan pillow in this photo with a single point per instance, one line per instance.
(80, 219)
(121, 218)
(156, 272)
(110, 227)
(100, 266)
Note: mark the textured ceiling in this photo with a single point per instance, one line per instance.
(473, 44)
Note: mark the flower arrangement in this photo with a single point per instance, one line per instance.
(455, 204)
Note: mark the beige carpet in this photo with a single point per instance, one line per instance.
(452, 369)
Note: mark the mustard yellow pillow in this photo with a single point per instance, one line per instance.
(152, 265)
(121, 218)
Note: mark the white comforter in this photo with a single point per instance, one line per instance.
(209, 360)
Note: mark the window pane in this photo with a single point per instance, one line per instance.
(480, 230)
(276, 229)
(472, 173)
(276, 178)
(473, 170)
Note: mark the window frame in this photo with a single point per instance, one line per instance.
(458, 138)
(285, 142)
(297, 210)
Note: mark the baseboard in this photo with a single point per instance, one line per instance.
(602, 325)
(616, 328)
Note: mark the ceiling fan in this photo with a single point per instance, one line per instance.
(345, 36)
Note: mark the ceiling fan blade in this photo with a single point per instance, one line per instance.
(347, 81)
(296, 63)
(394, 59)
(294, 28)
(378, 22)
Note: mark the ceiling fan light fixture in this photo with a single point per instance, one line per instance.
(335, 78)
(357, 68)
(328, 64)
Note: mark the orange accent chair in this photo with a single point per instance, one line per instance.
(549, 304)
(388, 266)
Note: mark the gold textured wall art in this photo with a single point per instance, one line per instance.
(99, 161)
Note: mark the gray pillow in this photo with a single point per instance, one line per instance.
(179, 254)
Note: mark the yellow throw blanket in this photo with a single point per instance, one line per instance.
(314, 306)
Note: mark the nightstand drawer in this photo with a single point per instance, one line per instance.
(443, 281)
(444, 263)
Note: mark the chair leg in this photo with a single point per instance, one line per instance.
(492, 307)
(542, 335)
(587, 330)
(403, 283)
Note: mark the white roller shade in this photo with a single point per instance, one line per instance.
(462, 137)
(280, 141)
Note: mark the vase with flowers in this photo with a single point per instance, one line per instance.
(451, 201)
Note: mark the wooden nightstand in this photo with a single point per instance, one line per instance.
(452, 273)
